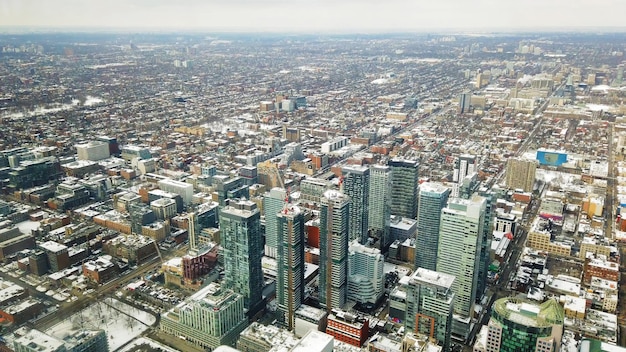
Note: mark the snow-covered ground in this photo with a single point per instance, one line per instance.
(28, 226)
(146, 341)
(121, 322)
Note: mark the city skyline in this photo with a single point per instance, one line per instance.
(310, 16)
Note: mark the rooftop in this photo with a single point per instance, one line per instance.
(433, 277)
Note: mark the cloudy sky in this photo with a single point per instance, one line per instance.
(314, 15)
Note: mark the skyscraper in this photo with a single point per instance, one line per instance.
(490, 196)
(273, 202)
(355, 185)
(366, 281)
(404, 187)
(379, 208)
(243, 249)
(460, 240)
(432, 198)
(334, 229)
(520, 174)
(290, 262)
(211, 317)
(430, 304)
(465, 101)
(521, 326)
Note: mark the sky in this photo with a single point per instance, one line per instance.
(314, 16)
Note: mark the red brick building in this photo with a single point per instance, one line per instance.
(348, 328)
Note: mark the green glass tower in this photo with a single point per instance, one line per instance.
(520, 326)
(404, 187)
(243, 249)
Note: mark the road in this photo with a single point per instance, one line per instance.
(67, 309)
(388, 138)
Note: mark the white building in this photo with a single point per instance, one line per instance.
(183, 189)
(93, 150)
(365, 273)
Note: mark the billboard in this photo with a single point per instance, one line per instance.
(551, 158)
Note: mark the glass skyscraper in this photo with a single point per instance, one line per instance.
(460, 240)
(355, 185)
(243, 248)
(380, 204)
(273, 202)
(404, 186)
(519, 326)
(432, 198)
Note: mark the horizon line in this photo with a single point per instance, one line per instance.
(27, 29)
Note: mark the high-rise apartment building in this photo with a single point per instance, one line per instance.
(355, 185)
(430, 304)
(290, 262)
(460, 240)
(465, 101)
(366, 279)
(334, 229)
(243, 248)
(211, 317)
(464, 165)
(518, 326)
(432, 198)
(404, 187)
(273, 202)
(520, 174)
(379, 209)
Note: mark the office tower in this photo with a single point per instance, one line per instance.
(460, 240)
(520, 174)
(430, 304)
(290, 262)
(243, 249)
(334, 229)
(404, 186)
(211, 317)
(379, 208)
(465, 100)
(355, 185)
(490, 196)
(520, 326)
(432, 198)
(366, 280)
(273, 202)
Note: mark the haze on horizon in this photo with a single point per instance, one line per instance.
(313, 15)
